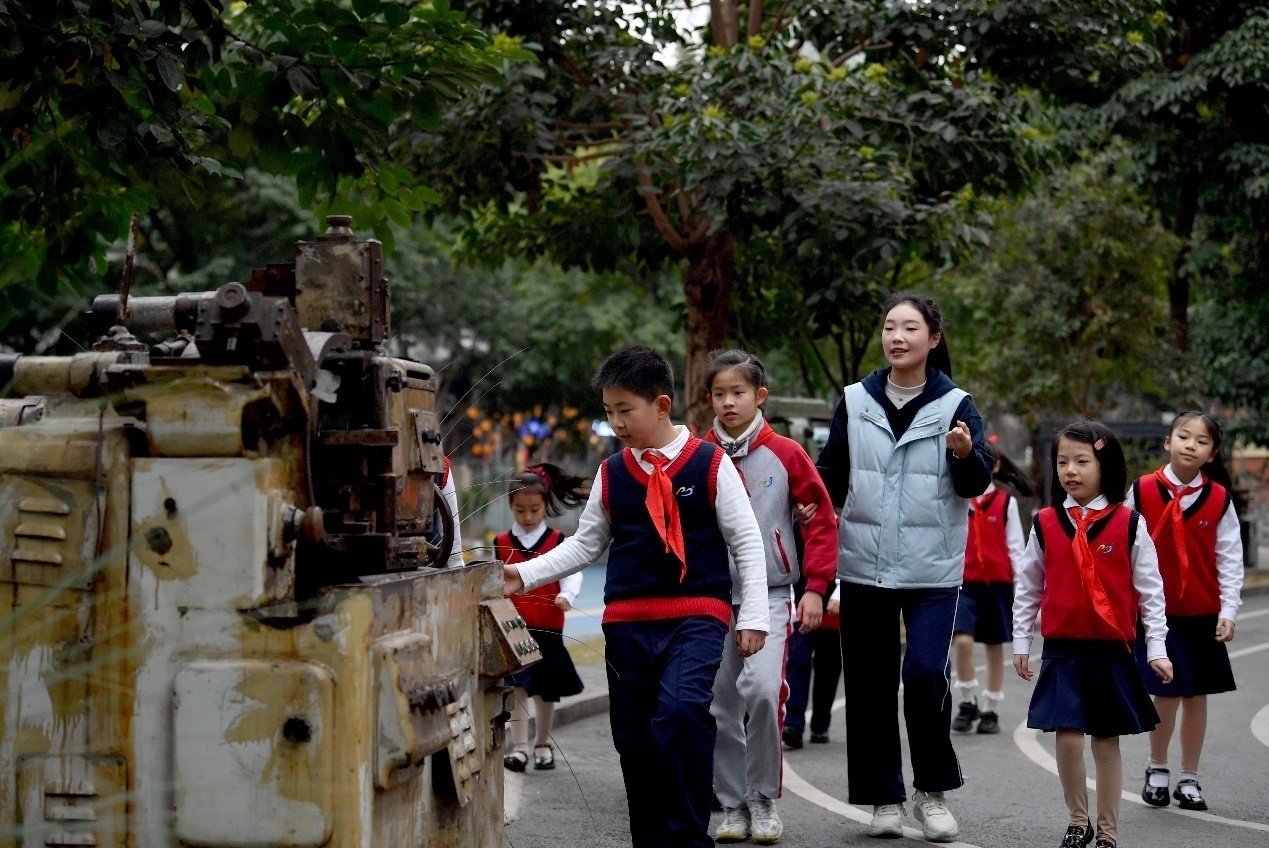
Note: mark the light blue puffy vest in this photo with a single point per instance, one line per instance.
(903, 526)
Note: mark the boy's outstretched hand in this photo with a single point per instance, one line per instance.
(810, 611)
(1022, 665)
(1163, 668)
(511, 582)
(749, 642)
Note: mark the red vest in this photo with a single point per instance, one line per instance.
(1202, 594)
(536, 607)
(987, 548)
(1066, 610)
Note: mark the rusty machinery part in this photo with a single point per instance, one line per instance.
(440, 542)
(341, 286)
(172, 313)
(238, 326)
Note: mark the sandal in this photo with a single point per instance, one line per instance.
(541, 761)
(1189, 800)
(515, 761)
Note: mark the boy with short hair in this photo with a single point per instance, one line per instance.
(671, 505)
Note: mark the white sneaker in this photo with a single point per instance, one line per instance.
(767, 827)
(887, 821)
(734, 827)
(937, 823)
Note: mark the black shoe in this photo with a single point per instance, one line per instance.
(1105, 842)
(1188, 801)
(515, 761)
(819, 738)
(989, 723)
(792, 737)
(1155, 796)
(543, 757)
(969, 712)
(1077, 836)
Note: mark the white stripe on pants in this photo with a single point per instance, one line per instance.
(747, 764)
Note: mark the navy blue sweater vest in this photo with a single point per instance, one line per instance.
(639, 566)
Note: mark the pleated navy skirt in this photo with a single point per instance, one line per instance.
(1200, 664)
(554, 676)
(1090, 685)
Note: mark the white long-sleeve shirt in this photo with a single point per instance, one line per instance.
(1015, 541)
(736, 522)
(1029, 588)
(1229, 547)
(570, 586)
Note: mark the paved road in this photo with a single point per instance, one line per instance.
(1011, 796)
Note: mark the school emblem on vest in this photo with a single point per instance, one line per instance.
(685, 491)
(1105, 549)
(766, 482)
(1204, 523)
(991, 518)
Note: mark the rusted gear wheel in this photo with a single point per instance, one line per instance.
(440, 542)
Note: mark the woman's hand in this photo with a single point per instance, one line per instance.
(810, 611)
(749, 642)
(511, 581)
(1163, 668)
(562, 602)
(959, 441)
(1022, 665)
(805, 512)
(1224, 630)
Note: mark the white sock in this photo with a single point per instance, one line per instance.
(1190, 789)
(991, 700)
(1158, 780)
(965, 691)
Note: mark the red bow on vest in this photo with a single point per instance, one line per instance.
(1173, 515)
(1093, 588)
(664, 509)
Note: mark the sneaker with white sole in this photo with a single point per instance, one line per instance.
(937, 823)
(734, 827)
(887, 821)
(765, 825)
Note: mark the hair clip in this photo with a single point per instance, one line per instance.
(1099, 444)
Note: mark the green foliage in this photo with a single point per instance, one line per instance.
(107, 108)
(1065, 315)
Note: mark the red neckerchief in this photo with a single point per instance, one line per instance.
(664, 509)
(1174, 515)
(1093, 588)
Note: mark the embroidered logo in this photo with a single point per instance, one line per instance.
(766, 482)
(1105, 549)
(1204, 523)
(685, 491)
(992, 518)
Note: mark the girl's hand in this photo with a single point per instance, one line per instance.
(1163, 668)
(749, 642)
(562, 602)
(1022, 665)
(805, 512)
(511, 582)
(1224, 630)
(810, 611)
(834, 607)
(959, 441)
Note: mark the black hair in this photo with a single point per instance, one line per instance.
(1215, 469)
(1009, 473)
(1110, 456)
(940, 357)
(640, 370)
(746, 365)
(562, 491)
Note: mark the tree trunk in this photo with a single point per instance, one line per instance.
(1179, 285)
(707, 282)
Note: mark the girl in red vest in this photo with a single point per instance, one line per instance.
(535, 493)
(1091, 569)
(984, 607)
(1187, 508)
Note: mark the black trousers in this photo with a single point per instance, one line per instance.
(871, 660)
(660, 686)
(814, 669)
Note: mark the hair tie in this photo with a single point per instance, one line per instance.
(1099, 444)
(994, 438)
(539, 471)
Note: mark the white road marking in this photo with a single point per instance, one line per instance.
(795, 784)
(1243, 616)
(1260, 725)
(1250, 649)
(1028, 741)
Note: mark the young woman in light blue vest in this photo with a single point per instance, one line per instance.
(904, 454)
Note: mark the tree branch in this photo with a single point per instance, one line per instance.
(779, 21)
(659, 219)
(755, 18)
(862, 47)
